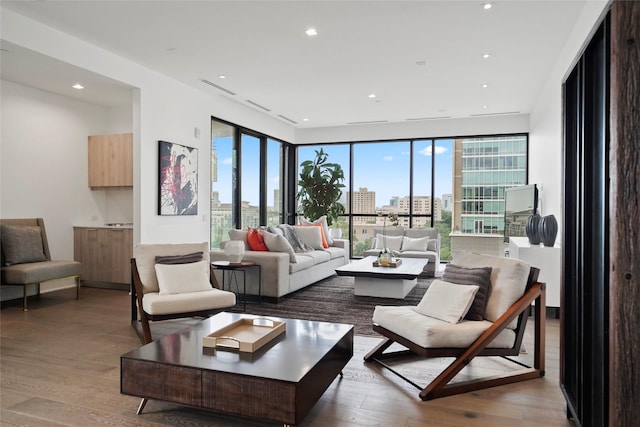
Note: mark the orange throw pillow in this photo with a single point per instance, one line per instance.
(256, 241)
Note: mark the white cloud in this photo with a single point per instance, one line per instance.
(439, 150)
(226, 161)
(387, 158)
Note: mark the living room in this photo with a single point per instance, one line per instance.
(161, 108)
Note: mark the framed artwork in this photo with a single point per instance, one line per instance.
(178, 181)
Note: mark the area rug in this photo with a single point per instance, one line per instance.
(332, 300)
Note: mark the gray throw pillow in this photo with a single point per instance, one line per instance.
(480, 277)
(179, 259)
(22, 244)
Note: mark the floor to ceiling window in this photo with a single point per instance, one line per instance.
(223, 176)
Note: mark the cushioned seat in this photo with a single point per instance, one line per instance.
(26, 259)
(173, 281)
(482, 311)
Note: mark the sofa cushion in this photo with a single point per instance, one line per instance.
(447, 301)
(430, 232)
(335, 252)
(317, 256)
(235, 234)
(183, 278)
(480, 277)
(433, 333)
(415, 244)
(322, 221)
(508, 281)
(310, 235)
(392, 242)
(302, 263)
(34, 272)
(277, 243)
(22, 244)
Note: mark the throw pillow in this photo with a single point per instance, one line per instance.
(277, 243)
(393, 242)
(310, 235)
(322, 221)
(289, 233)
(179, 259)
(256, 241)
(446, 301)
(480, 277)
(183, 278)
(325, 244)
(22, 244)
(411, 244)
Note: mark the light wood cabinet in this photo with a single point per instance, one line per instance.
(105, 253)
(111, 160)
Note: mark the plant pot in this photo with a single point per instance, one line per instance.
(548, 230)
(234, 250)
(532, 228)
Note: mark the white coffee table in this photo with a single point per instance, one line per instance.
(383, 282)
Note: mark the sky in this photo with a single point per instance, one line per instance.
(383, 167)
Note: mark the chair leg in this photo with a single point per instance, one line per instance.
(77, 278)
(378, 350)
(24, 298)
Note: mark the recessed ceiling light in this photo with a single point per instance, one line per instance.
(372, 95)
(485, 85)
(305, 120)
(77, 86)
(222, 76)
(485, 107)
(486, 55)
(487, 6)
(311, 32)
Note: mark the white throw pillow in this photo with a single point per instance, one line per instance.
(417, 244)
(183, 278)
(447, 301)
(325, 227)
(310, 235)
(277, 243)
(393, 242)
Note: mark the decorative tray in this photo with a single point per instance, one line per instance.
(246, 334)
(392, 264)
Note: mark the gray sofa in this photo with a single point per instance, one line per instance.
(409, 243)
(280, 276)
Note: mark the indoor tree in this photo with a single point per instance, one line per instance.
(321, 185)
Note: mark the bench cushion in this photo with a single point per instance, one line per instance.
(35, 272)
(428, 332)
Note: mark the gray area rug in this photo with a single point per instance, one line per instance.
(332, 300)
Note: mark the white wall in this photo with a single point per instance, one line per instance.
(545, 137)
(518, 123)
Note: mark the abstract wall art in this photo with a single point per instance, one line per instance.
(178, 182)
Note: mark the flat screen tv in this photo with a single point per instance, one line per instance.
(519, 203)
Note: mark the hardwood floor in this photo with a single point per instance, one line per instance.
(60, 366)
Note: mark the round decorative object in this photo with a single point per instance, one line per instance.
(548, 230)
(532, 228)
(234, 250)
(336, 233)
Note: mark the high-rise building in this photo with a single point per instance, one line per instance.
(363, 201)
(483, 168)
(421, 206)
(447, 202)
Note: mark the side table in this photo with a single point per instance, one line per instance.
(233, 268)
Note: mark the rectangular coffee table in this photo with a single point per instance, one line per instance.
(278, 383)
(384, 282)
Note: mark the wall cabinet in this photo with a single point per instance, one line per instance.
(111, 160)
(105, 253)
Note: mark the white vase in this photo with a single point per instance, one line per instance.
(336, 233)
(234, 250)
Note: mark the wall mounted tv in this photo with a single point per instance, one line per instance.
(519, 203)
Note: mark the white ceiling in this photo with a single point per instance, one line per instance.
(422, 59)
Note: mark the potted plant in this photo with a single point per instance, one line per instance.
(321, 185)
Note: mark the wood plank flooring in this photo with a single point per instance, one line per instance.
(60, 366)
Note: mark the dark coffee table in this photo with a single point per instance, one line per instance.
(279, 383)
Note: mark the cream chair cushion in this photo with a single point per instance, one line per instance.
(154, 303)
(447, 301)
(183, 278)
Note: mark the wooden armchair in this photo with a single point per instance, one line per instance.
(500, 334)
(181, 286)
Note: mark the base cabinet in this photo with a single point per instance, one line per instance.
(547, 259)
(105, 253)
